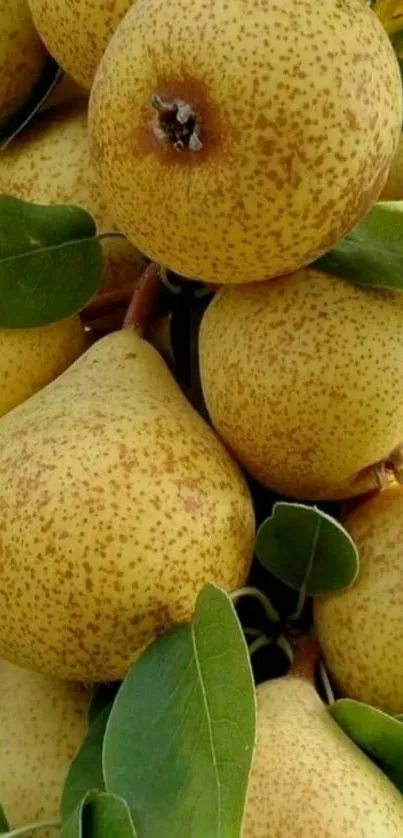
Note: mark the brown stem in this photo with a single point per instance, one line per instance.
(144, 298)
(108, 301)
(306, 657)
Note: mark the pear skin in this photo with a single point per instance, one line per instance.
(22, 56)
(118, 504)
(360, 629)
(77, 32)
(32, 358)
(43, 722)
(50, 163)
(303, 381)
(276, 150)
(308, 778)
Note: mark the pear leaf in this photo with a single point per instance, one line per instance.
(50, 77)
(307, 549)
(377, 733)
(103, 697)
(51, 264)
(372, 253)
(180, 739)
(85, 772)
(107, 816)
(4, 826)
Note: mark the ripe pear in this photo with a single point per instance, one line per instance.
(50, 163)
(360, 629)
(303, 380)
(31, 358)
(393, 189)
(118, 504)
(76, 32)
(308, 778)
(236, 144)
(43, 722)
(22, 56)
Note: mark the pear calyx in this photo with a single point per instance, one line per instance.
(177, 124)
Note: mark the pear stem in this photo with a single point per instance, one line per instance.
(306, 657)
(144, 298)
(108, 301)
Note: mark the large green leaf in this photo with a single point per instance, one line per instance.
(372, 254)
(85, 771)
(107, 816)
(103, 697)
(51, 264)
(377, 733)
(307, 549)
(180, 738)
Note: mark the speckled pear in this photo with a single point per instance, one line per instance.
(308, 778)
(118, 503)
(303, 380)
(76, 32)
(50, 163)
(31, 358)
(22, 56)
(360, 629)
(239, 140)
(43, 722)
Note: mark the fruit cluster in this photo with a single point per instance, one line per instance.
(201, 401)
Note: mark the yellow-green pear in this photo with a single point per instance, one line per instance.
(308, 778)
(43, 722)
(118, 503)
(77, 32)
(393, 189)
(50, 163)
(22, 56)
(303, 380)
(31, 358)
(236, 144)
(360, 629)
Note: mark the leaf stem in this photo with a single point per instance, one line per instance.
(259, 643)
(264, 600)
(33, 827)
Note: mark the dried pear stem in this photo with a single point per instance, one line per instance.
(108, 301)
(144, 297)
(176, 124)
(306, 657)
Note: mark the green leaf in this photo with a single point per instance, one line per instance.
(50, 262)
(107, 816)
(14, 126)
(180, 738)
(307, 549)
(103, 697)
(85, 771)
(377, 733)
(4, 827)
(372, 254)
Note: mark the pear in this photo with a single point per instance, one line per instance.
(22, 56)
(43, 722)
(50, 163)
(118, 504)
(303, 380)
(360, 629)
(393, 189)
(308, 778)
(236, 144)
(32, 358)
(76, 32)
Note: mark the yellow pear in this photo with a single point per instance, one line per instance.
(22, 56)
(43, 722)
(50, 163)
(76, 32)
(303, 380)
(360, 629)
(236, 144)
(31, 358)
(393, 189)
(309, 779)
(118, 503)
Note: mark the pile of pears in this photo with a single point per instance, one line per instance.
(231, 144)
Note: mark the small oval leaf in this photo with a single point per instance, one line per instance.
(85, 772)
(307, 549)
(51, 264)
(377, 733)
(181, 757)
(372, 253)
